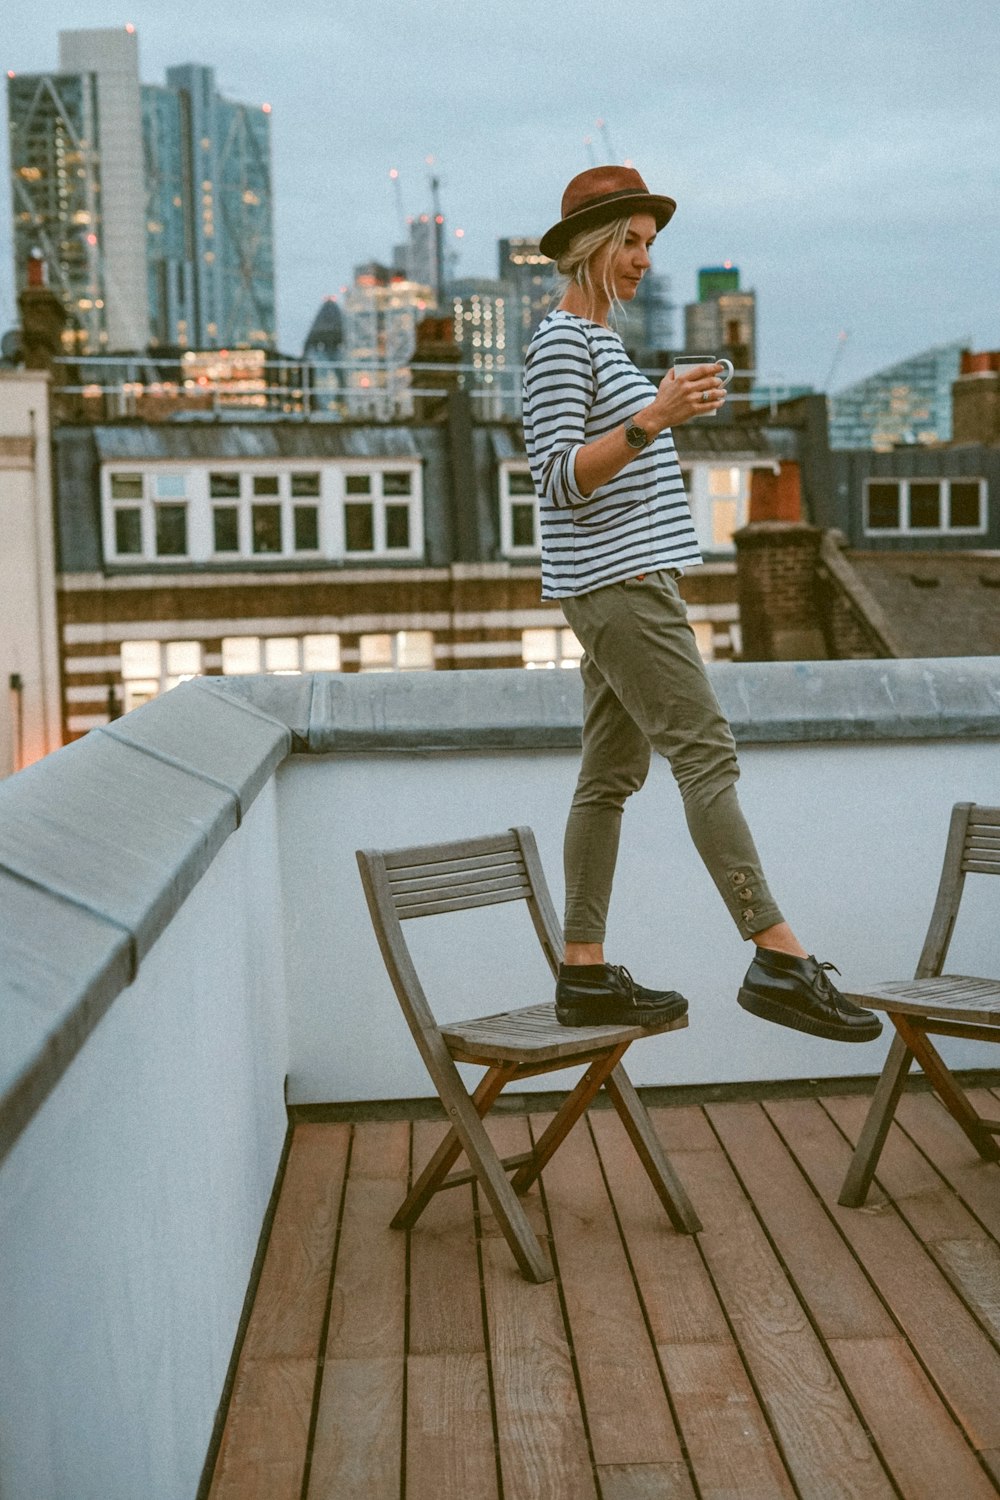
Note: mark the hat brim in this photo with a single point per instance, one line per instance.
(555, 240)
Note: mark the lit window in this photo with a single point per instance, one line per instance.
(727, 505)
(546, 648)
(281, 655)
(402, 651)
(240, 655)
(149, 668)
(321, 653)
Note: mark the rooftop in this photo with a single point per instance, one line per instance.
(791, 1348)
(186, 956)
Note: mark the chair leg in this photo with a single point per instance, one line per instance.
(489, 1088)
(644, 1138)
(569, 1112)
(944, 1085)
(876, 1126)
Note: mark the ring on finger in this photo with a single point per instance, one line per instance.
(706, 395)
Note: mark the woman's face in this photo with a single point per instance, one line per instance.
(627, 266)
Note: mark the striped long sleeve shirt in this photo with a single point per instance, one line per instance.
(579, 384)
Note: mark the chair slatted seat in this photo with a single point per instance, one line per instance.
(432, 879)
(933, 1003)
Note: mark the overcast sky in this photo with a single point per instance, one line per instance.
(845, 154)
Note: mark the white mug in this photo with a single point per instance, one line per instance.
(684, 361)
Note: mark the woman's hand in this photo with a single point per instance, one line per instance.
(681, 395)
(678, 399)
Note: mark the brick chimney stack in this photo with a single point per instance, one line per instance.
(975, 399)
(776, 576)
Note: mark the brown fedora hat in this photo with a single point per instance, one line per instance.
(596, 197)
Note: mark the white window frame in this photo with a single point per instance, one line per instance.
(944, 483)
(507, 503)
(414, 501)
(147, 505)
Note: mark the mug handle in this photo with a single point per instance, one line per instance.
(729, 371)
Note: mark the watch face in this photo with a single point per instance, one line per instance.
(636, 437)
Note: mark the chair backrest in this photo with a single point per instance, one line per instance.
(429, 879)
(973, 847)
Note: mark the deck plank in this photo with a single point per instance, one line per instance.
(924, 1449)
(726, 1435)
(627, 1409)
(542, 1439)
(968, 1256)
(956, 1353)
(977, 1182)
(823, 1444)
(287, 1317)
(826, 1273)
(358, 1441)
(263, 1450)
(449, 1421)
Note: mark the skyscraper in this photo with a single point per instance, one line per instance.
(532, 281)
(150, 204)
(77, 181)
(724, 319)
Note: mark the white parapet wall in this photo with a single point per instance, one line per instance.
(183, 938)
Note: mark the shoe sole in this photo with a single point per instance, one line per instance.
(568, 1015)
(785, 1015)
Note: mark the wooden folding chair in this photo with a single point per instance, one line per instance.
(404, 883)
(932, 1002)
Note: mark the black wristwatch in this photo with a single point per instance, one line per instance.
(636, 437)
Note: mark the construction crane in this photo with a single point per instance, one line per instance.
(398, 196)
(838, 354)
(602, 126)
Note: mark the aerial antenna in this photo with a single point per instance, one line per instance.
(602, 126)
(838, 354)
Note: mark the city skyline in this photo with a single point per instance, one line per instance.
(817, 119)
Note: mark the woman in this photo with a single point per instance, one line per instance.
(616, 533)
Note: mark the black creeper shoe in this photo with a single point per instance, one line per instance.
(798, 992)
(607, 995)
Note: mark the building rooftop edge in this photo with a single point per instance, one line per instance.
(89, 878)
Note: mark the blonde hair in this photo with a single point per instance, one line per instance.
(575, 264)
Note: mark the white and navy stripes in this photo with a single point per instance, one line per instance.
(579, 384)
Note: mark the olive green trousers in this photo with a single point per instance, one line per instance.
(646, 688)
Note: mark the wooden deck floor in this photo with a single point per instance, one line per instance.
(793, 1348)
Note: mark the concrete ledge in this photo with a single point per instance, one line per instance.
(101, 842)
(510, 708)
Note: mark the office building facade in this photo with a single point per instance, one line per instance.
(151, 205)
